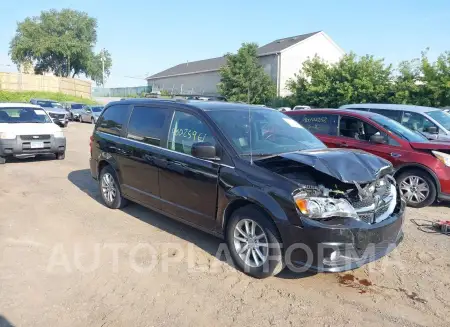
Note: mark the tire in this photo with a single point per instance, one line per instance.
(61, 156)
(118, 200)
(410, 177)
(2, 160)
(92, 121)
(272, 261)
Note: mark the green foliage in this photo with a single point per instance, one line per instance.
(61, 42)
(243, 78)
(351, 80)
(165, 93)
(6, 96)
(359, 80)
(422, 82)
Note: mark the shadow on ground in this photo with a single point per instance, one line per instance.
(83, 180)
(4, 322)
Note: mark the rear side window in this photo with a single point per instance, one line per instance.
(114, 119)
(393, 114)
(147, 124)
(318, 123)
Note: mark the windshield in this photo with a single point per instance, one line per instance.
(76, 106)
(398, 129)
(271, 132)
(23, 115)
(97, 109)
(49, 104)
(441, 117)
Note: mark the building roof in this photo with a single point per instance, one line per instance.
(419, 109)
(214, 64)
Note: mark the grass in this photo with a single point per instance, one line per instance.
(6, 96)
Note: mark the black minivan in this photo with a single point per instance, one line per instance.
(252, 176)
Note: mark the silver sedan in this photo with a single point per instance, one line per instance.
(90, 114)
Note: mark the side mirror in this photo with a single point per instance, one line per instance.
(432, 130)
(204, 150)
(379, 139)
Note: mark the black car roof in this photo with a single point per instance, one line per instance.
(198, 104)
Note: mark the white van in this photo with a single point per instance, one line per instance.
(27, 130)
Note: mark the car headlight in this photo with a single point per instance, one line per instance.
(444, 157)
(323, 207)
(58, 134)
(7, 136)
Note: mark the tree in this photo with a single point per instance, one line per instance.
(243, 78)
(61, 42)
(350, 80)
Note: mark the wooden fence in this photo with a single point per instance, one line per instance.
(27, 82)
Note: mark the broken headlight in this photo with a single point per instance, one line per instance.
(324, 207)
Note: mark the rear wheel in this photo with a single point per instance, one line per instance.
(110, 190)
(417, 188)
(254, 243)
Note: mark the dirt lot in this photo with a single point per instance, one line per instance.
(66, 260)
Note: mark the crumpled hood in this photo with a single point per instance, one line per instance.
(348, 166)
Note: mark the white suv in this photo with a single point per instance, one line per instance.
(27, 130)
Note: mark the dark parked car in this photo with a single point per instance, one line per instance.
(422, 167)
(252, 176)
(433, 123)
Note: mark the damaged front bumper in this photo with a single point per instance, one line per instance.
(340, 244)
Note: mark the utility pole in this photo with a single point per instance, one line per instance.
(102, 58)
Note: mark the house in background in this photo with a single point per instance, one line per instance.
(281, 59)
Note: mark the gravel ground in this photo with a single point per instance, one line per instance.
(66, 260)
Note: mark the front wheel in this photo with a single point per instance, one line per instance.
(254, 243)
(61, 156)
(110, 189)
(417, 188)
(92, 121)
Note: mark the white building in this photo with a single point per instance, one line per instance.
(281, 59)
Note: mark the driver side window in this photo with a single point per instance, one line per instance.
(416, 122)
(186, 130)
(355, 128)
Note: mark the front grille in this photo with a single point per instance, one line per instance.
(59, 116)
(34, 137)
(375, 206)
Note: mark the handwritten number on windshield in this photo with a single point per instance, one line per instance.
(189, 134)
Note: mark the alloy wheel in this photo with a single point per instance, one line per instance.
(108, 188)
(414, 189)
(250, 242)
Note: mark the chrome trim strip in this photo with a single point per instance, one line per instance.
(165, 149)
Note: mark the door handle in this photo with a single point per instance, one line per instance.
(395, 155)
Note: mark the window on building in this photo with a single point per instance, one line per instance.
(146, 124)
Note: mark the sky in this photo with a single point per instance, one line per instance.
(145, 37)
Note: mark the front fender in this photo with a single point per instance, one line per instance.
(270, 203)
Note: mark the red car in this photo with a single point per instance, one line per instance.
(422, 167)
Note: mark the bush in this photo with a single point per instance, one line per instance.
(165, 93)
(7, 96)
